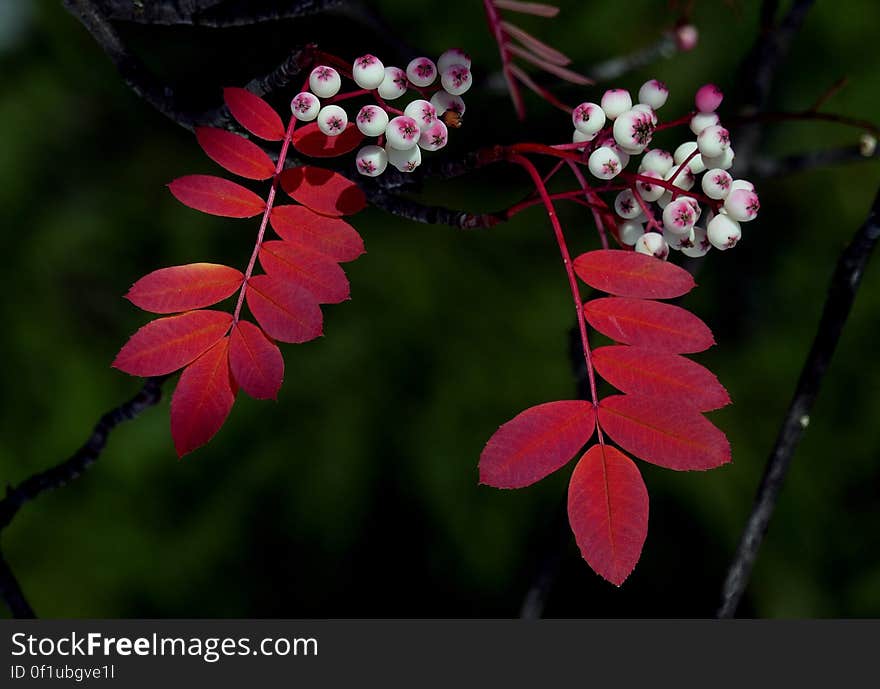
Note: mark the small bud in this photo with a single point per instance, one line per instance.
(368, 72)
(708, 98)
(652, 244)
(616, 102)
(305, 106)
(324, 81)
(686, 37)
(723, 232)
(421, 72)
(332, 120)
(371, 161)
(402, 133)
(588, 118)
(371, 120)
(394, 84)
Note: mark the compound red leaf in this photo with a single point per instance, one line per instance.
(608, 511)
(642, 371)
(202, 399)
(287, 312)
(167, 344)
(217, 196)
(235, 153)
(255, 361)
(323, 190)
(536, 443)
(310, 270)
(662, 327)
(311, 141)
(330, 236)
(254, 114)
(675, 437)
(631, 274)
(181, 288)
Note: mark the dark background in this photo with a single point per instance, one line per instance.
(356, 494)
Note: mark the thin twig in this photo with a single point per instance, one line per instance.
(11, 592)
(841, 295)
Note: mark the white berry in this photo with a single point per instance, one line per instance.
(453, 56)
(650, 192)
(405, 161)
(652, 244)
(305, 106)
(679, 217)
(588, 118)
(633, 130)
(324, 81)
(630, 231)
(421, 72)
(723, 232)
(742, 205)
(700, 244)
(605, 163)
(627, 206)
(717, 183)
(421, 111)
(713, 141)
(443, 101)
(371, 161)
(368, 72)
(653, 93)
(657, 160)
(456, 79)
(371, 120)
(702, 120)
(402, 133)
(434, 136)
(394, 84)
(616, 102)
(332, 120)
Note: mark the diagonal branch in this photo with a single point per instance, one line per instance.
(841, 295)
(11, 592)
(216, 14)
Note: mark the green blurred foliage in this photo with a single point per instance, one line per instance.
(356, 494)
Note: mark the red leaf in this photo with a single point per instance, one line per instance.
(631, 274)
(536, 443)
(331, 236)
(311, 141)
(661, 327)
(166, 344)
(286, 312)
(254, 114)
(217, 196)
(675, 437)
(255, 361)
(310, 270)
(608, 511)
(323, 190)
(181, 288)
(644, 372)
(202, 399)
(235, 153)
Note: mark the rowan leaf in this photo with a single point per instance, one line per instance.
(659, 326)
(286, 312)
(536, 442)
(182, 288)
(642, 371)
(166, 344)
(217, 196)
(202, 399)
(235, 153)
(311, 141)
(255, 361)
(631, 274)
(322, 190)
(254, 114)
(672, 436)
(608, 511)
(331, 236)
(310, 270)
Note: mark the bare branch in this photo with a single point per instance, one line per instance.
(215, 14)
(11, 592)
(801, 162)
(616, 67)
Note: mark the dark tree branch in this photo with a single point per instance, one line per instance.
(215, 14)
(616, 67)
(841, 295)
(801, 162)
(11, 592)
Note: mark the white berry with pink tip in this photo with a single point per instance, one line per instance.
(713, 141)
(332, 120)
(633, 131)
(742, 205)
(402, 133)
(641, 107)
(421, 111)
(626, 205)
(653, 93)
(678, 242)
(742, 184)
(368, 72)
(588, 118)
(679, 217)
(700, 244)
(443, 101)
(658, 160)
(453, 56)
(434, 136)
(689, 151)
(394, 84)
(605, 163)
(702, 120)
(723, 232)
(682, 177)
(405, 161)
(371, 120)
(324, 81)
(724, 161)
(717, 183)
(581, 138)
(630, 231)
(305, 106)
(615, 102)
(652, 244)
(708, 98)
(371, 161)
(421, 72)
(456, 79)
(650, 192)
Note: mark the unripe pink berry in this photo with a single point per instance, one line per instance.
(421, 72)
(402, 133)
(405, 161)
(686, 37)
(742, 205)
(700, 244)
(588, 118)
(650, 192)
(708, 98)
(626, 205)
(368, 72)
(371, 120)
(653, 93)
(630, 231)
(434, 136)
(723, 232)
(332, 120)
(324, 81)
(453, 56)
(657, 160)
(456, 79)
(713, 141)
(443, 101)
(305, 106)
(702, 120)
(394, 84)
(616, 102)
(679, 217)
(605, 163)
(652, 244)
(633, 130)
(716, 183)
(371, 161)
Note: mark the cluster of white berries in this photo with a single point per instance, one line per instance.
(653, 217)
(401, 137)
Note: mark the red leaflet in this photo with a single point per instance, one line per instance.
(235, 153)
(166, 344)
(254, 114)
(323, 190)
(255, 361)
(653, 429)
(311, 141)
(286, 312)
(608, 511)
(310, 270)
(217, 196)
(181, 288)
(642, 371)
(202, 399)
(631, 274)
(331, 236)
(662, 327)
(536, 443)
